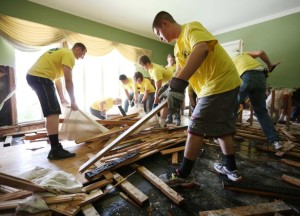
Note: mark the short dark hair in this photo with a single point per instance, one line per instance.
(80, 45)
(163, 15)
(138, 75)
(123, 77)
(144, 60)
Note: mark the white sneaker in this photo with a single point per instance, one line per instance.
(277, 144)
(162, 123)
(232, 175)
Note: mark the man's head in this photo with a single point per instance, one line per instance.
(171, 59)
(123, 78)
(161, 25)
(117, 101)
(144, 62)
(138, 77)
(79, 50)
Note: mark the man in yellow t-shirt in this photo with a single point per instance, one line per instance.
(100, 107)
(49, 68)
(202, 62)
(144, 91)
(254, 77)
(128, 86)
(161, 77)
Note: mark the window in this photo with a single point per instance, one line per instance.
(94, 77)
(28, 106)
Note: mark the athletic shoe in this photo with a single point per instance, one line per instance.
(58, 153)
(174, 180)
(277, 144)
(232, 175)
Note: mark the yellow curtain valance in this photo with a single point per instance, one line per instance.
(29, 36)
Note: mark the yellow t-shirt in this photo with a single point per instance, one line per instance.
(244, 62)
(109, 103)
(217, 73)
(158, 73)
(129, 86)
(144, 86)
(172, 68)
(49, 65)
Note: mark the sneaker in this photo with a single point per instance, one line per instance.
(277, 144)
(59, 153)
(232, 175)
(162, 123)
(173, 180)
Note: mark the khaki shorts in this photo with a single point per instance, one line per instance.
(214, 115)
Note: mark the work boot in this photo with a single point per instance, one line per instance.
(58, 153)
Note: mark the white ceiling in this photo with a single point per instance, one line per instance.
(136, 16)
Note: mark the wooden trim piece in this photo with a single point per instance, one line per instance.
(260, 209)
(172, 150)
(120, 138)
(163, 187)
(137, 195)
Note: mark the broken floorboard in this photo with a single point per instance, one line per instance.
(260, 209)
(120, 138)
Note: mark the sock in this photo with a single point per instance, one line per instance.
(230, 162)
(186, 167)
(53, 139)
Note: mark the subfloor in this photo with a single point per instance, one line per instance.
(260, 170)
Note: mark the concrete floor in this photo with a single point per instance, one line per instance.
(257, 167)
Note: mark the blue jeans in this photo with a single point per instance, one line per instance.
(126, 103)
(254, 87)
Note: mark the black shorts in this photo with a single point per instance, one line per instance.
(46, 92)
(214, 115)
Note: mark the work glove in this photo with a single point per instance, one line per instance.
(175, 93)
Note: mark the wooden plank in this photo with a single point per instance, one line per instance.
(70, 208)
(93, 197)
(175, 158)
(19, 183)
(89, 210)
(137, 195)
(12, 204)
(120, 138)
(96, 185)
(291, 180)
(172, 150)
(290, 162)
(287, 146)
(15, 195)
(260, 209)
(163, 187)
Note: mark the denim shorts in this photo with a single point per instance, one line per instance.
(214, 115)
(46, 92)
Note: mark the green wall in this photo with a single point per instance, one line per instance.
(26, 10)
(7, 54)
(280, 39)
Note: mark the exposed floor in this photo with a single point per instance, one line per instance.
(260, 170)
